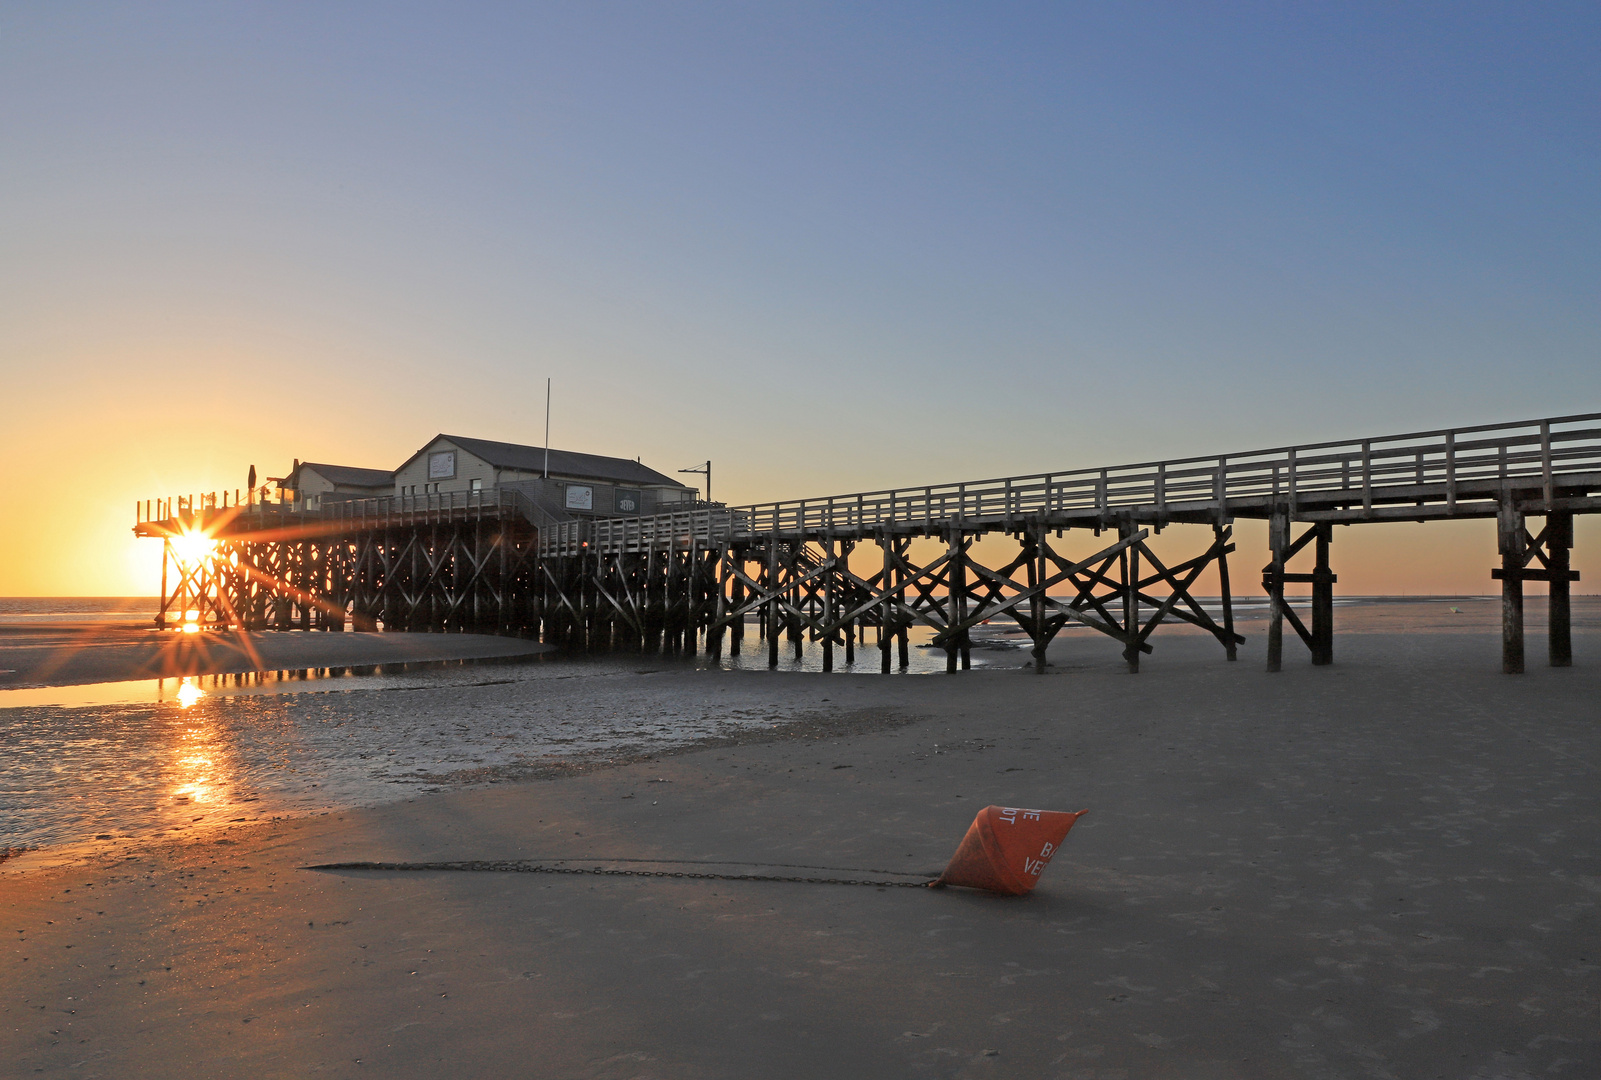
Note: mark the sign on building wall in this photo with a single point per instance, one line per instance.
(442, 466)
(625, 501)
(580, 497)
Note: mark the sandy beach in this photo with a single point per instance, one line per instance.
(1387, 868)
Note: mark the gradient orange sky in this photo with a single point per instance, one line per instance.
(831, 248)
(84, 546)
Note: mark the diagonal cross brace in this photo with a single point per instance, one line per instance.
(878, 595)
(775, 595)
(1029, 592)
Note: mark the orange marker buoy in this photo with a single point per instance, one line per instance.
(1006, 849)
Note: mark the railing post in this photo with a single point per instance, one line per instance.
(1293, 506)
(1367, 478)
(1450, 472)
(1545, 461)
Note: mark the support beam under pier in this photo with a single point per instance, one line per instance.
(1558, 540)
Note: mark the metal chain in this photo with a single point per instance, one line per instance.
(515, 867)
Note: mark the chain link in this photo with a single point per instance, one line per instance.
(517, 867)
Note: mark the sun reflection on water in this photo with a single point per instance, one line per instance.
(198, 767)
(189, 692)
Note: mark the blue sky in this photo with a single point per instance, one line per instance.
(831, 248)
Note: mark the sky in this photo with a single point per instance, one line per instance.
(829, 247)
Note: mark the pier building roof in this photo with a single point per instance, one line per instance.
(564, 463)
(343, 476)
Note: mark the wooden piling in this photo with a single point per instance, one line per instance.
(1559, 539)
(850, 624)
(1129, 564)
(771, 609)
(828, 606)
(1323, 599)
(714, 637)
(1511, 541)
(953, 541)
(884, 608)
(901, 623)
(166, 557)
(1278, 538)
(1037, 570)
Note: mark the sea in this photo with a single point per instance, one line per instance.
(37, 610)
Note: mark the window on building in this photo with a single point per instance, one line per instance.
(478, 484)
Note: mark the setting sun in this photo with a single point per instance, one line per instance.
(192, 546)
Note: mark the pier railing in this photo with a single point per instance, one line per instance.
(1443, 467)
(1452, 470)
(263, 508)
(443, 504)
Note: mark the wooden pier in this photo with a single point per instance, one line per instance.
(839, 570)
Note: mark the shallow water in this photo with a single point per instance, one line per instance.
(922, 659)
(185, 689)
(134, 769)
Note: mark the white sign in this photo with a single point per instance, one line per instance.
(580, 498)
(442, 466)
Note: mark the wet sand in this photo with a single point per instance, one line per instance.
(70, 653)
(1387, 868)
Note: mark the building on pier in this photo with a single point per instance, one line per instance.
(313, 482)
(563, 483)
